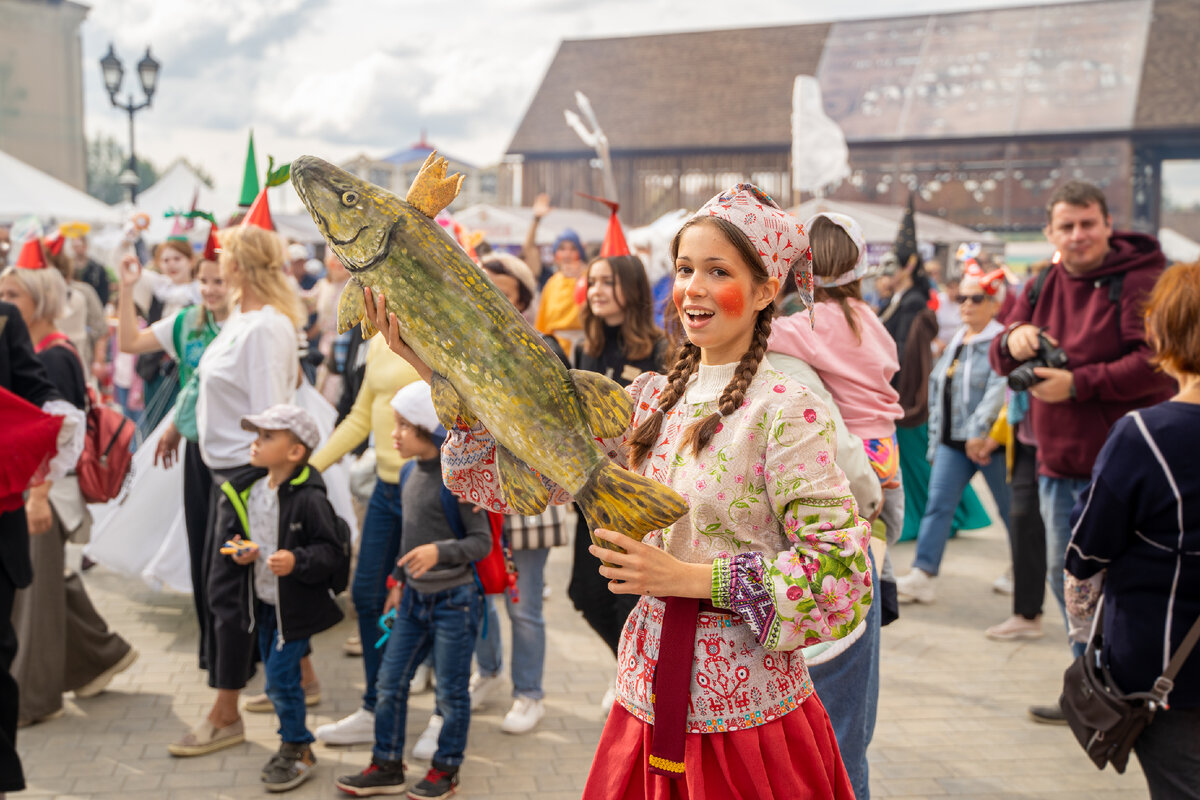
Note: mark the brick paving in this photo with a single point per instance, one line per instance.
(952, 719)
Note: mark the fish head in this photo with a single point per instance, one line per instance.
(356, 218)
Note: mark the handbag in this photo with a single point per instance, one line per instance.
(1105, 720)
(537, 531)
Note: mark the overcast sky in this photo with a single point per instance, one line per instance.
(338, 78)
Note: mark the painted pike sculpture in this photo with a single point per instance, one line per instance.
(488, 362)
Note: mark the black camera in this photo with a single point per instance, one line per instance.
(1048, 355)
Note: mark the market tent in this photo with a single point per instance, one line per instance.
(27, 191)
(180, 185)
(880, 222)
(1178, 248)
(506, 226)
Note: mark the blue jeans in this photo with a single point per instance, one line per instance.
(951, 473)
(848, 687)
(282, 667)
(528, 628)
(447, 623)
(377, 551)
(1056, 498)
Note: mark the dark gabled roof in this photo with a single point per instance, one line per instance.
(1049, 69)
(1170, 92)
(634, 85)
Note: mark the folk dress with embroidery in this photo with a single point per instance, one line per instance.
(772, 512)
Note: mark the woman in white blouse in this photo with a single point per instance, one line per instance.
(250, 366)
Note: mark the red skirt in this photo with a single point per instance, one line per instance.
(790, 758)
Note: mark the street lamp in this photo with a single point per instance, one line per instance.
(114, 73)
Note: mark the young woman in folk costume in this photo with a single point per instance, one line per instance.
(713, 696)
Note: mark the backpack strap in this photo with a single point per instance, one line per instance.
(454, 518)
(1035, 289)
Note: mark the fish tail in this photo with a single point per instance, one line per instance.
(626, 502)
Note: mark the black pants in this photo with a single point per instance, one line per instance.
(12, 778)
(1169, 752)
(229, 645)
(197, 495)
(1026, 535)
(604, 611)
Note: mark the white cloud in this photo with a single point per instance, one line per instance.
(337, 78)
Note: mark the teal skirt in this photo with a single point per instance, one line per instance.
(914, 444)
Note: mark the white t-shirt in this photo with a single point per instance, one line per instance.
(164, 332)
(248, 368)
(262, 512)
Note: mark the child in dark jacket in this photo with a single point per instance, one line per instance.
(287, 551)
(439, 607)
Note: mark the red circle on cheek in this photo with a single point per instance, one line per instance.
(730, 300)
(677, 294)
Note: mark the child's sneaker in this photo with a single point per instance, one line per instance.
(427, 742)
(381, 777)
(289, 767)
(436, 785)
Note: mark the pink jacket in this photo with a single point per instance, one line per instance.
(858, 375)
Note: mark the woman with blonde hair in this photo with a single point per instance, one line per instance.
(251, 365)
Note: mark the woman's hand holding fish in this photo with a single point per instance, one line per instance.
(643, 569)
(385, 322)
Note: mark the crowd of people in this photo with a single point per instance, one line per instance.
(797, 398)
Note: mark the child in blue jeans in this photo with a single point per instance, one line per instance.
(439, 607)
(289, 553)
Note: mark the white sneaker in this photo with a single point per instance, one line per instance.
(1003, 584)
(606, 702)
(426, 746)
(482, 687)
(421, 681)
(525, 713)
(915, 587)
(358, 728)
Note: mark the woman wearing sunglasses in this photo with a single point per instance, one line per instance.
(965, 397)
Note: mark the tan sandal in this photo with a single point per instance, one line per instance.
(207, 738)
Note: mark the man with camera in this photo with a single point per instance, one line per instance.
(1078, 330)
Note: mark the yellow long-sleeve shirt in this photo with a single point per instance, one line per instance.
(557, 313)
(386, 373)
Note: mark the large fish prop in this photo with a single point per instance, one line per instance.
(488, 362)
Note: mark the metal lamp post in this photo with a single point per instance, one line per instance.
(114, 72)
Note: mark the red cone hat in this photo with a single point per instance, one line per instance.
(31, 256)
(259, 215)
(211, 247)
(614, 238)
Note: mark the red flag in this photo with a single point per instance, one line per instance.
(28, 439)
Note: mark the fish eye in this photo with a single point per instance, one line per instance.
(349, 198)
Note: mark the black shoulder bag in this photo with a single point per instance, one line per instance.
(1105, 720)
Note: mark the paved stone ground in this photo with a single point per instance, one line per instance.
(952, 716)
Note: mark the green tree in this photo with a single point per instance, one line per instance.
(106, 160)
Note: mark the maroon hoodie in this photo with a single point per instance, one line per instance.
(1109, 357)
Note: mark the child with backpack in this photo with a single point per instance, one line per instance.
(288, 553)
(438, 601)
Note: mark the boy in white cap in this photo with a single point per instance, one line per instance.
(287, 554)
(439, 608)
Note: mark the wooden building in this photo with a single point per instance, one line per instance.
(983, 113)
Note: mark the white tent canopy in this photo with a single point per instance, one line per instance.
(1177, 247)
(506, 226)
(180, 185)
(26, 191)
(881, 222)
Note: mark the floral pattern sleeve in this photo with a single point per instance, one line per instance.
(469, 459)
(820, 588)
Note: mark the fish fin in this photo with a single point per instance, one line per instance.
(606, 406)
(431, 190)
(523, 490)
(620, 500)
(351, 309)
(448, 404)
(368, 330)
